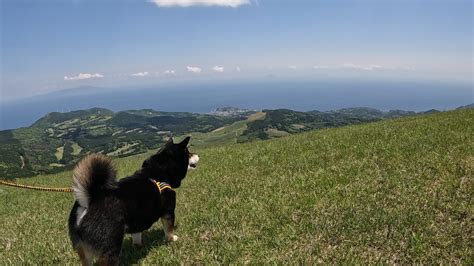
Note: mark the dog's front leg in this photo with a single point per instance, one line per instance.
(85, 256)
(168, 227)
(137, 239)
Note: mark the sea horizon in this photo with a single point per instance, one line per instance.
(298, 95)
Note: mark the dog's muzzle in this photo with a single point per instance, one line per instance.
(193, 160)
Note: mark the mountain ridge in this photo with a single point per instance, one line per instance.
(57, 140)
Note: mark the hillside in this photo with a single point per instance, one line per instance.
(277, 123)
(56, 141)
(283, 122)
(395, 191)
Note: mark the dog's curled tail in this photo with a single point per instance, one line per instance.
(93, 175)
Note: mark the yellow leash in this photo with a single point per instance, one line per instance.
(161, 186)
(11, 184)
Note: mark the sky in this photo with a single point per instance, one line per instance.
(51, 45)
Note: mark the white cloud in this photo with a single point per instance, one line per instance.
(408, 68)
(170, 72)
(194, 69)
(371, 67)
(237, 69)
(361, 67)
(84, 76)
(292, 67)
(140, 74)
(218, 69)
(320, 67)
(187, 3)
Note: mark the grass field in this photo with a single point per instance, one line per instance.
(223, 135)
(398, 191)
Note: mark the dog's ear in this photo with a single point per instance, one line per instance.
(169, 142)
(185, 142)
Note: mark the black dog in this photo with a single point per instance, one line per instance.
(106, 209)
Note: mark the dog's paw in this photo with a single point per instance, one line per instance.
(172, 238)
(137, 239)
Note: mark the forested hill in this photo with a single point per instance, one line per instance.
(58, 140)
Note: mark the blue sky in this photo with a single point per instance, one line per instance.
(51, 45)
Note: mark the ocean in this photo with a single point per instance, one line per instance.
(205, 97)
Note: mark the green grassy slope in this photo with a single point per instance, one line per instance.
(282, 122)
(393, 191)
(228, 134)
